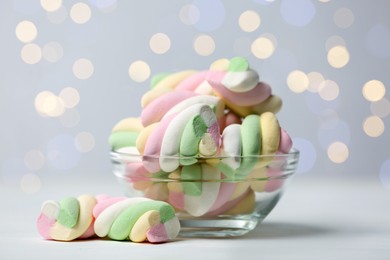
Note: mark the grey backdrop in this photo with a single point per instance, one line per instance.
(36, 149)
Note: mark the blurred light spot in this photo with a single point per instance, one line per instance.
(30, 183)
(262, 47)
(308, 154)
(374, 90)
(189, 14)
(58, 16)
(104, 5)
(80, 13)
(139, 71)
(378, 41)
(334, 41)
(338, 152)
(338, 56)
(70, 118)
(315, 80)
(160, 43)
(381, 108)
(52, 51)
(343, 17)
(329, 90)
(384, 174)
(31, 53)
(324, 1)
(48, 104)
(62, 152)
(242, 46)
(70, 97)
(319, 106)
(297, 81)
(84, 142)
(204, 45)
(297, 12)
(34, 160)
(51, 5)
(83, 68)
(249, 21)
(211, 14)
(334, 130)
(26, 31)
(373, 126)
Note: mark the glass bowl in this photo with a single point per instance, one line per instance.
(212, 196)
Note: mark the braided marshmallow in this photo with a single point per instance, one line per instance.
(119, 218)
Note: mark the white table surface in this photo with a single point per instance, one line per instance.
(315, 219)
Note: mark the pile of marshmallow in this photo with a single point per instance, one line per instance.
(201, 127)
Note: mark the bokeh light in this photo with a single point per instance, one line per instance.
(338, 56)
(211, 14)
(343, 17)
(189, 14)
(48, 104)
(338, 152)
(297, 81)
(263, 47)
(380, 108)
(104, 5)
(333, 41)
(204, 45)
(83, 68)
(297, 12)
(373, 126)
(84, 142)
(52, 51)
(80, 13)
(31, 53)
(328, 90)
(30, 183)
(51, 5)
(374, 90)
(34, 160)
(70, 97)
(62, 153)
(384, 174)
(249, 21)
(160, 43)
(315, 80)
(307, 155)
(378, 41)
(139, 71)
(26, 31)
(58, 16)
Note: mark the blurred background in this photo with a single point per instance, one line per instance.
(72, 69)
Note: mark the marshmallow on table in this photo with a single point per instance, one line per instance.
(119, 218)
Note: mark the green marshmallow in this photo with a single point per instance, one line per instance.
(126, 220)
(189, 142)
(122, 139)
(192, 173)
(69, 212)
(238, 64)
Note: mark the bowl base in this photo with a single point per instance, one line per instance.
(217, 227)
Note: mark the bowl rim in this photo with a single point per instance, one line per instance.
(115, 155)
